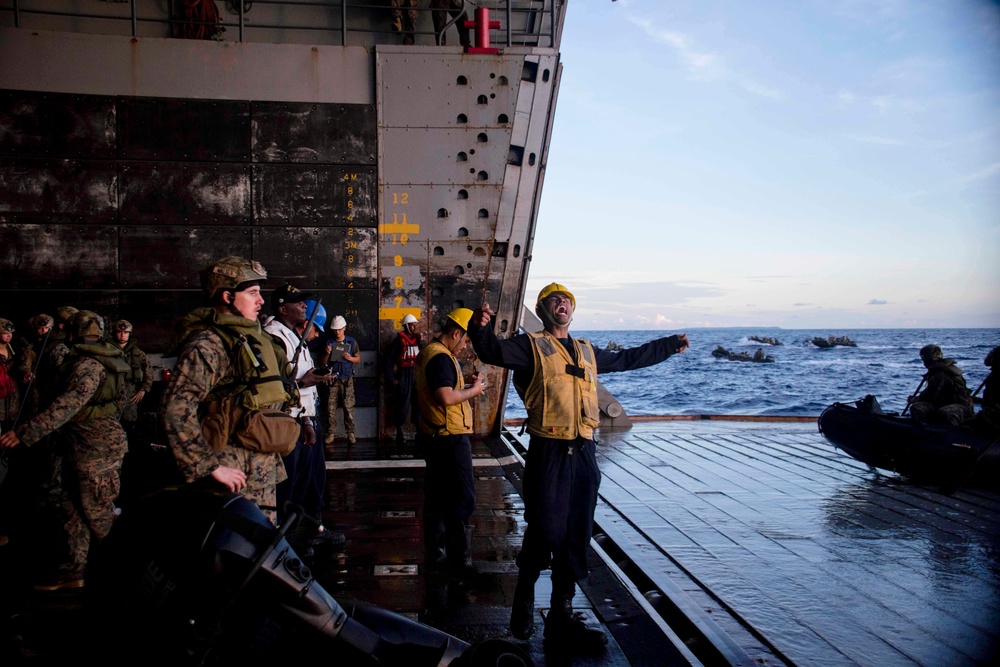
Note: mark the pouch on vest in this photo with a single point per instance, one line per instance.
(268, 430)
(265, 430)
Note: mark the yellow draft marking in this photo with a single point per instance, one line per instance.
(398, 226)
(397, 314)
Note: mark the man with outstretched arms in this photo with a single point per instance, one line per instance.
(556, 377)
(227, 366)
(88, 391)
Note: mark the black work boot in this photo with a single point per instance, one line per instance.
(522, 612)
(568, 628)
(434, 544)
(462, 572)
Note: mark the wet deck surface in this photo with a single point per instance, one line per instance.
(783, 549)
(827, 562)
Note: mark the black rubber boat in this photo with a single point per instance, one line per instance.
(938, 454)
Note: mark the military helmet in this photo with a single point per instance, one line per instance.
(931, 352)
(87, 323)
(41, 320)
(123, 325)
(230, 273)
(461, 317)
(551, 289)
(338, 323)
(6, 325)
(65, 314)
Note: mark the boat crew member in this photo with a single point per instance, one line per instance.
(988, 418)
(946, 398)
(556, 377)
(443, 437)
(228, 367)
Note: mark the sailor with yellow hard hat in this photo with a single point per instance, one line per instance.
(556, 376)
(443, 432)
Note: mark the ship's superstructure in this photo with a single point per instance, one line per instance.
(388, 178)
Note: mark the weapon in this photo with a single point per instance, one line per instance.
(4, 463)
(915, 392)
(305, 334)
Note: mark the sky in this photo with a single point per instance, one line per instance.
(799, 164)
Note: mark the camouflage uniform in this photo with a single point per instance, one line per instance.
(139, 379)
(202, 365)
(405, 23)
(442, 9)
(84, 477)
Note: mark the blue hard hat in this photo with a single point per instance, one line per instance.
(320, 321)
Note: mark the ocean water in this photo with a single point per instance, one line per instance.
(802, 381)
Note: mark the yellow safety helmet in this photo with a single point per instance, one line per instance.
(552, 288)
(461, 317)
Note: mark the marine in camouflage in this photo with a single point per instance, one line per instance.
(203, 364)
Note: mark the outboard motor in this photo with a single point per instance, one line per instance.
(195, 577)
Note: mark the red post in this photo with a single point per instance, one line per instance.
(482, 24)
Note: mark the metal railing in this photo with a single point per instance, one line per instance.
(523, 22)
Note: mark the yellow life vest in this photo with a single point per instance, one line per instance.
(561, 404)
(437, 419)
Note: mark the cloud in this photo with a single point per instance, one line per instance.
(982, 174)
(877, 302)
(801, 305)
(760, 89)
(681, 44)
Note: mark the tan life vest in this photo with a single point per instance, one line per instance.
(104, 402)
(560, 404)
(437, 419)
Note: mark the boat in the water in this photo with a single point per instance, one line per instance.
(934, 453)
(833, 341)
(758, 357)
(765, 340)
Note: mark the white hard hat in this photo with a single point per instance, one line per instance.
(409, 319)
(338, 323)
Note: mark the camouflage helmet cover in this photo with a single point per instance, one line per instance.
(41, 320)
(931, 352)
(6, 326)
(123, 325)
(230, 273)
(87, 323)
(65, 314)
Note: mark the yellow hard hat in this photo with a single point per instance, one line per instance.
(552, 288)
(461, 317)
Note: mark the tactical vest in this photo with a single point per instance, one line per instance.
(409, 349)
(104, 402)
(260, 365)
(440, 419)
(136, 372)
(561, 398)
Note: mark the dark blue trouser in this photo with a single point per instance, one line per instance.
(306, 483)
(560, 495)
